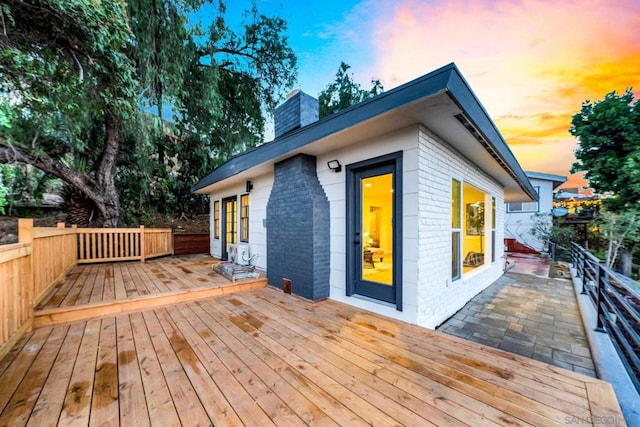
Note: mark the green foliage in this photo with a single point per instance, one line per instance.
(6, 176)
(620, 230)
(344, 92)
(608, 132)
(133, 94)
(545, 230)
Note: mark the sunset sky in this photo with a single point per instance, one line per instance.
(531, 63)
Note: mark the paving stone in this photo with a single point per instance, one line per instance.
(542, 350)
(529, 316)
(584, 371)
(580, 350)
(585, 362)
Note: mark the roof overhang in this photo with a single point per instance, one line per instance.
(441, 100)
(556, 180)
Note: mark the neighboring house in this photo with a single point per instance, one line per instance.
(521, 216)
(394, 205)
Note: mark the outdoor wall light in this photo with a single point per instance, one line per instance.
(334, 165)
(249, 186)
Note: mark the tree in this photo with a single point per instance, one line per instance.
(146, 109)
(344, 92)
(64, 71)
(618, 229)
(608, 133)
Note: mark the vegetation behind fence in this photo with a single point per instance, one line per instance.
(618, 306)
(43, 256)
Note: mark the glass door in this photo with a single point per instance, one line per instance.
(229, 224)
(373, 232)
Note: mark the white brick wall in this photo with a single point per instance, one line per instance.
(438, 296)
(429, 164)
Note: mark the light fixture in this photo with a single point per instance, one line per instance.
(334, 165)
(249, 186)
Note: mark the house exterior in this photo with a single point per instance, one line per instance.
(395, 205)
(521, 216)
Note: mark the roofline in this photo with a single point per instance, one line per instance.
(445, 79)
(557, 180)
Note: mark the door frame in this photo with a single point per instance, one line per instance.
(353, 261)
(224, 254)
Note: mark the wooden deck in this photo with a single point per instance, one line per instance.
(265, 358)
(96, 290)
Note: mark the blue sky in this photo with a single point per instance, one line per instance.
(530, 62)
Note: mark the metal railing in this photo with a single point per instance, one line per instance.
(618, 306)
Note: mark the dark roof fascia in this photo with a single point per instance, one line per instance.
(462, 94)
(422, 87)
(447, 78)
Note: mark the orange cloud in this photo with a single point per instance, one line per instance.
(531, 63)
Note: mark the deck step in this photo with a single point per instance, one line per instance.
(55, 316)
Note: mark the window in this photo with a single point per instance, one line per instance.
(456, 228)
(525, 206)
(244, 218)
(493, 229)
(471, 226)
(216, 219)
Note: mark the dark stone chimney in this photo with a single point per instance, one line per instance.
(297, 111)
(298, 227)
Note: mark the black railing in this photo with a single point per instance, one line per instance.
(618, 305)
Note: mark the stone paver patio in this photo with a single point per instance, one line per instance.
(532, 316)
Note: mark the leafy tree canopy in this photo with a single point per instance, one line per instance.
(132, 100)
(345, 92)
(608, 133)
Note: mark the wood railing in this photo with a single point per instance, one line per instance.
(43, 256)
(618, 306)
(122, 244)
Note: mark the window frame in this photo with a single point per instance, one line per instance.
(244, 218)
(522, 204)
(456, 232)
(216, 219)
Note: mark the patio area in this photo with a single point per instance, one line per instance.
(266, 358)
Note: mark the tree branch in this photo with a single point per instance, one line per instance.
(12, 154)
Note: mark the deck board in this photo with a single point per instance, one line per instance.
(266, 358)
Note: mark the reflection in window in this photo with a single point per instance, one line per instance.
(377, 229)
(469, 221)
(216, 219)
(473, 245)
(456, 228)
(244, 218)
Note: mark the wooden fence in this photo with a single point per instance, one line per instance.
(43, 256)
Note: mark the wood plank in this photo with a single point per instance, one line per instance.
(341, 374)
(50, 317)
(160, 405)
(215, 403)
(570, 381)
(454, 394)
(15, 371)
(604, 409)
(17, 409)
(120, 292)
(184, 397)
(234, 383)
(104, 404)
(333, 407)
(77, 402)
(233, 350)
(352, 365)
(52, 396)
(133, 406)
